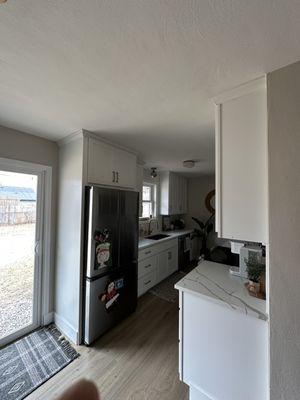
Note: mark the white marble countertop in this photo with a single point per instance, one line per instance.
(213, 282)
(144, 242)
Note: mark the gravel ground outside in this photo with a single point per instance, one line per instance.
(16, 277)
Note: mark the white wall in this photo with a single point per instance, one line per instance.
(198, 188)
(68, 252)
(21, 146)
(284, 209)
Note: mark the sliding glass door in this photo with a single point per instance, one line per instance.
(21, 207)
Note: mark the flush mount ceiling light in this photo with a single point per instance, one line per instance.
(153, 172)
(189, 163)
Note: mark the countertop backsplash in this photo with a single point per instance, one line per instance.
(144, 226)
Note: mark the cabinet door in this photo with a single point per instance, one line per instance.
(173, 194)
(184, 196)
(125, 167)
(162, 268)
(146, 282)
(100, 162)
(139, 187)
(241, 166)
(181, 209)
(172, 260)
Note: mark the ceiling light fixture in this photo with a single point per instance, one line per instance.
(153, 172)
(189, 163)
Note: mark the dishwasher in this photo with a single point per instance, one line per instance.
(184, 250)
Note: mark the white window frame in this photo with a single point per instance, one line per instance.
(153, 200)
(43, 312)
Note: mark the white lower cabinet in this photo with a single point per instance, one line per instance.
(147, 265)
(156, 264)
(222, 351)
(162, 270)
(172, 260)
(146, 282)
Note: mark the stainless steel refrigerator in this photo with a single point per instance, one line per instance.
(111, 252)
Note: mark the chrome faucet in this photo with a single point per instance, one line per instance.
(149, 225)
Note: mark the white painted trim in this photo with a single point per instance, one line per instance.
(249, 87)
(44, 173)
(180, 333)
(218, 162)
(66, 329)
(70, 138)
(92, 135)
(198, 394)
(47, 265)
(16, 335)
(38, 300)
(48, 318)
(10, 164)
(87, 134)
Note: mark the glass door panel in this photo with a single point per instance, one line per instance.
(19, 240)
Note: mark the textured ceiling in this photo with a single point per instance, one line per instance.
(139, 72)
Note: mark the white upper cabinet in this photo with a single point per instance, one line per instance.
(109, 165)
(139, 186)
(125, 167)
(241, 163)
(173, 194)
(100, 162)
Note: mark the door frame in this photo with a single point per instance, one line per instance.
(42, 313)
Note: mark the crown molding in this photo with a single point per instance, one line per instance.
(241, 90)
(70, 138)
(83, 133)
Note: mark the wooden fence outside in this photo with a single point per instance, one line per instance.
(16, 212)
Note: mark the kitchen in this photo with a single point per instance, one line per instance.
(160, 141)
(167, 247)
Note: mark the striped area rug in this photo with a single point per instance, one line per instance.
(31, 361)
(165, 289)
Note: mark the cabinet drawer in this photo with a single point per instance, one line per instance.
(148, 252)
(146, 282)
(147, 265)
(168, 244)
(157, 248)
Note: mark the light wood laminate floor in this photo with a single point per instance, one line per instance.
(137, 360)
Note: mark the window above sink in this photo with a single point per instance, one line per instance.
(149, 207)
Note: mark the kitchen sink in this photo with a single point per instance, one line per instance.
(157, 236)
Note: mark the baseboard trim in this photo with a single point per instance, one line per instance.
(66, 329)
(197, 394)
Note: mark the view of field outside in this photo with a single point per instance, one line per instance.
(17, 241)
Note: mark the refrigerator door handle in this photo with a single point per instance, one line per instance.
(90, 234)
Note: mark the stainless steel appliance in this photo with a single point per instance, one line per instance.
(111, 253)
(184, 249)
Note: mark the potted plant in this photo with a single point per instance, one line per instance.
(254, 270)
(202, 232)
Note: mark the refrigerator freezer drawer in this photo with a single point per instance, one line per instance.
(108, 300)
